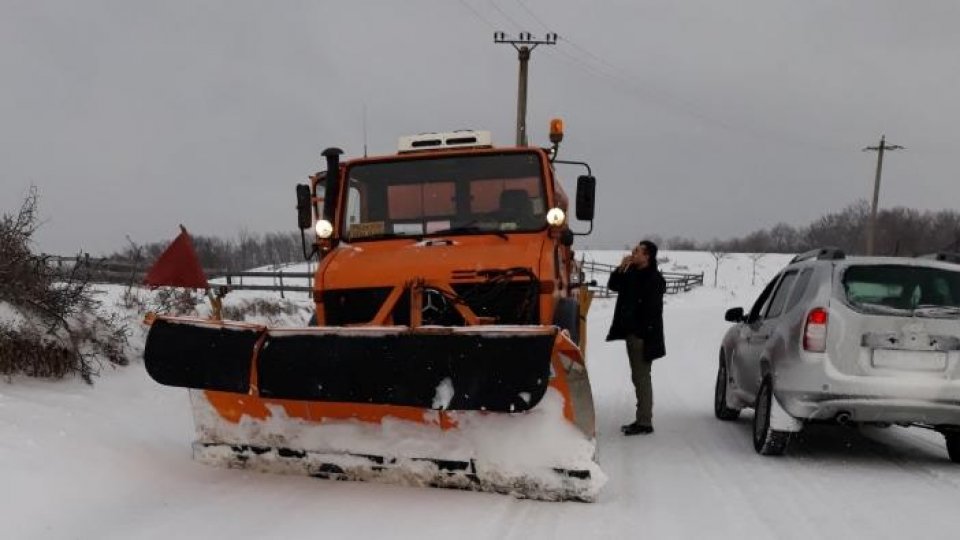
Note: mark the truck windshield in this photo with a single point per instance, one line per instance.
(484, 193)
(903, 290)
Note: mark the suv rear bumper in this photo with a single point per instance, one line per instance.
(812, 389)
(885, 410)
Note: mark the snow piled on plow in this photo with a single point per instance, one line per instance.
(524, 454)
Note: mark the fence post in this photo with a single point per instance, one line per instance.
(280, 275)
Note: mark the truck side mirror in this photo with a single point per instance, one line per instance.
(304, 214)
(586, 191)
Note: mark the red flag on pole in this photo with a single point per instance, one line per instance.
(178, 266)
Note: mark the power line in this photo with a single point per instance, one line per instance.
(504, 14)
(599, 66)
(476, 14)
(533, 16)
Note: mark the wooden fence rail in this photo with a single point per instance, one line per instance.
(131, 272)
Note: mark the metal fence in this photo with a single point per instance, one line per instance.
(676, 281)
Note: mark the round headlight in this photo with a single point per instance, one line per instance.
(324, 228)
(556, 217)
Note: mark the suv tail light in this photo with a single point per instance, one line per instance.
(815, 331)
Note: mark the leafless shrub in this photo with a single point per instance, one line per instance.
(174, 301)
(67, 334)
(258, 307)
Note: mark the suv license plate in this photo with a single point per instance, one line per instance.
(910, 360)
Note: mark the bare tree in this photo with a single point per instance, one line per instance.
(718, 255)
(755, 258)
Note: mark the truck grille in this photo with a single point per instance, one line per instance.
(508, 303)
(353, 306)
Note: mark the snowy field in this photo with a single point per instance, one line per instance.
(113, 461)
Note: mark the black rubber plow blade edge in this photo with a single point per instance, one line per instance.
(501, 372)
(201, 355)
(496, 370)
(468, 475)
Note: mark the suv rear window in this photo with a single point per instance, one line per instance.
(903, 290)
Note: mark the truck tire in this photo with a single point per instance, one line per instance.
(720, 408)
(567, 317)
(767, 441)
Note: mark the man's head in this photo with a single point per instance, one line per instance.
(645, 254)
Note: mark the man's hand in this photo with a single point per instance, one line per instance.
(625, 263)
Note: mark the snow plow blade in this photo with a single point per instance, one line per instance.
(505, 409)
(485, 368)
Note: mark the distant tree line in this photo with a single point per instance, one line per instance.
(900, 231)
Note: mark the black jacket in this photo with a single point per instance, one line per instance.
(639, 308)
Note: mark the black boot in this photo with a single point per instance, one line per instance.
(636, 428)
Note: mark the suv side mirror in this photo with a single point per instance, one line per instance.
(304, 215)
(734, 315)
(586, 191)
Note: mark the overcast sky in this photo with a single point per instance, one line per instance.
(700, 118)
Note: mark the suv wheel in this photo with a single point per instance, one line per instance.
(720, 409)
(953, 445)
(766, 441)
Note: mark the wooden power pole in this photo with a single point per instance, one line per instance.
(872, 226)
(524, 44)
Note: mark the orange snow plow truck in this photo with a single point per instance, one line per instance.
(447, 348)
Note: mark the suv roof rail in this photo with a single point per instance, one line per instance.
(822, 254)
(946, 256)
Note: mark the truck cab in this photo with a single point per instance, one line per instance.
(484, 227)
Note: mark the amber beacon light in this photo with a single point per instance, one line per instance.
(556, 130)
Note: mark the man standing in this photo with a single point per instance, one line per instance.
(638, 319)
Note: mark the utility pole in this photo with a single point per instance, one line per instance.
(872, 227)
(524, 44)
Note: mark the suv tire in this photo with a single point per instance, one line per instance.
(953, 445)
(767, 441)
(720, 408)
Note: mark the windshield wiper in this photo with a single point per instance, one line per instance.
(382, 236)
(471, 229)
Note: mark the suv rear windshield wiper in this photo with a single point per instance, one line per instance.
(936, 309)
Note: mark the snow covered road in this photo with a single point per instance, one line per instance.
(113, 461)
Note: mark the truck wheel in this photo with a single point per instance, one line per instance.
(953, 445)
(567, 317)
(766, 441)
(720, 409)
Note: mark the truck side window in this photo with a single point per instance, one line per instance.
(353, 206)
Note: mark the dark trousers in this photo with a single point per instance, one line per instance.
(640, 373)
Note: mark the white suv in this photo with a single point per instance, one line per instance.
(849, 340)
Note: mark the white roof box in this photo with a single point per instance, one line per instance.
(444, 141)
